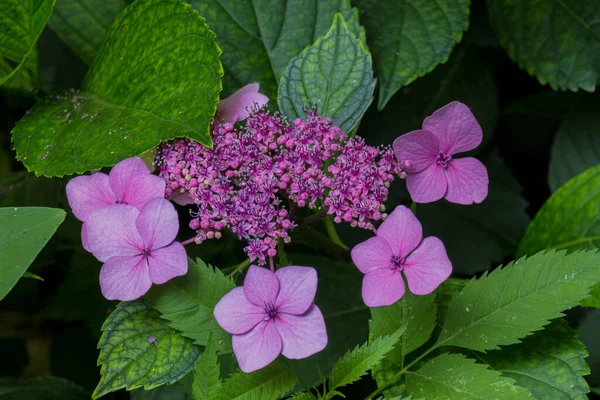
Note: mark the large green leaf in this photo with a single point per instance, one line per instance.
(260, 37)
(454, 377)
(557, 41)
(207, 379)
(25, 231)
(42, 388)
(409, 38)
(188, 301)
(83, 24)
(335, 74)
(139, 349)
(512, 302)
(156, 77)
(549, 364)
(21, 23)
(269, 383)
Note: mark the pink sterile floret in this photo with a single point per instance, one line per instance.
(397, 249)
(434, 173)
(237, 107)
(136, 247)
(273, 314)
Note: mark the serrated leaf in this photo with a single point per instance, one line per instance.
(549, 364)
(166, 392)
(455, 377)
(187, 302)
(303, 396)
(556, 41)
(156, 77)
(83, 24)
(42, 388)
(444, 294)
(25, 231)
(409, 38)
(335, 74)
(131, 359)
(268, 383)
(259, 38)
(207, 379)
(419, 315)
(512, 302)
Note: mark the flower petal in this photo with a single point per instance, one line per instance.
(371, 254)
(157, 223)
(297, 289)
(87, 194)
(467, 181)
(236, 314)
(234, 108)
(427, 267)
(455, 127)
(167, 262)
(111, 232)
(302, 335)
(261, 286)
(132, 183)
(84, 239)
(419, 147)
(402, 230)
(428, 185)
(257, 348)
(124, 278)
(382, 287)
(183, 199)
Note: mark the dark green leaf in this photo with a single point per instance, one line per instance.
(165, 392)
(269, 383)
(207, 380)
(444, 294)
(42, 388)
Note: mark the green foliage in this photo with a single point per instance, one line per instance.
(187, 302)
(130, 360)
(556, 41)
(177, 391)
(455, 377)
(259, 38)
(444, 294)
(134, 96)
(512, 302)
(335, 74)
(207, 380)
(42, 388)
(409, 38)
(549, 364)
(83, 24)
(269, 383)
(25, 231)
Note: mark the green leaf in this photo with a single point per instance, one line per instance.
(409, 38)
(21, 23)
(444, 294)
(42, 388)
(268, 383)
(556, 41)
(519, 299)
(135, 95)
(576, 147)
(303, 396)
(207, 380)
(130, 360)
(260, 37)
(455, 377)
(25, 231)
(187, 302)
(335, 74)
(166, 392)
(419, 315)
(83, 24)
(549, 364)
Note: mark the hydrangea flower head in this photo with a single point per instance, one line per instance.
(237, 107)
(136, 247)
(397, 250)
(434, 173)
(273, 314)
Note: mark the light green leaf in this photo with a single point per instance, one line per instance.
(335, 74)
(25, 231)
(549, 364)
(303, 396)
(135, 95)
(557, 41)
(83, 24)
(260, 37)
(42, 388)
(130, 360)
(21, 23)
(512, 302)
(207, 379)
(188, 301)
(409, 38)
(455, 377)
(269, 383)
(419, 315)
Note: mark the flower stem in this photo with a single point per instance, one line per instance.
(283, 258)
(332, 232)
(312, 218)
(191, 240)
(271, 264)
(240, 267)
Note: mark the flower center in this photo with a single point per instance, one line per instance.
(270, 310)
(443, 159)
(397, 262)
(120, 202)
(145, 253)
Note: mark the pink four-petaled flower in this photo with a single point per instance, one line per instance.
(235, 107)
(434, 173)
(273, 314)
(397, 249)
